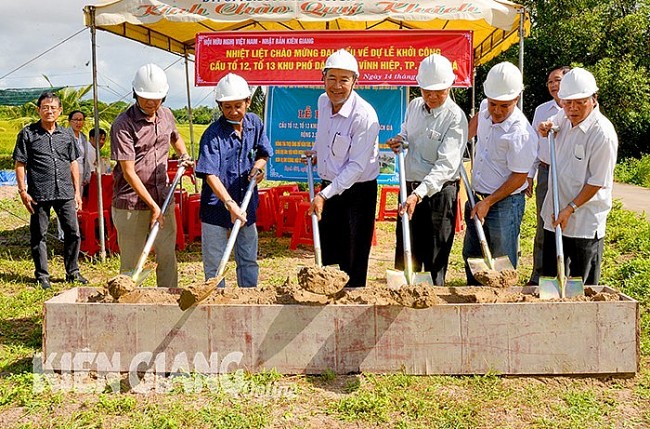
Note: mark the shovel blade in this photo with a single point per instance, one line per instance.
(395, 279)
(503, 263)
(574, 287)
(423, 277)
(477, 265)
(139, 278)
(549, 288)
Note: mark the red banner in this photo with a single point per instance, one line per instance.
(297, 57)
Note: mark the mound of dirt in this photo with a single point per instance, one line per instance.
(291, 293)
(501, 279)
(322, 280)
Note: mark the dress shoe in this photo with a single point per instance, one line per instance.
(44, 283)
(76, 278)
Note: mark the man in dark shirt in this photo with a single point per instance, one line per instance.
(47, 155)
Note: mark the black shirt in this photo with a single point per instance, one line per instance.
(47, 159)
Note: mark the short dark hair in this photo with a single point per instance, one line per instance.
(563, 69)
(91, 133)
(48, 95)
(74, 112)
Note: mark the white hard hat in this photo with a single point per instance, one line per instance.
(232, 87)
(150, 82)
(343, 60)
(504, 82)
(435, 73)
(577, 84)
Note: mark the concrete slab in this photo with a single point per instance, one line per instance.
(567, 338)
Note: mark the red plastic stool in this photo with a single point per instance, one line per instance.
(265, 210)
(374, 235)
(286, 213)
(302, 229)
(276, 191)
(89, 230)
(385, 213)
(459, 216)
(180, 236)
(193, 217)
(181, 197)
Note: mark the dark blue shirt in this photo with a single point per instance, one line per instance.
(223, 154)
(47, 159)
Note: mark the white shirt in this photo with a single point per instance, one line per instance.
(436, 141)
(346, 143)
(585, 154)
(542, 113)
(85, 167)
(502, 149)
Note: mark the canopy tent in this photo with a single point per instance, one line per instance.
(171, 25)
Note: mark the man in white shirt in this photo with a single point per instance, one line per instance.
(346, 154)
(436, 131)
(505, 151)
(540, 168)
(586, 146)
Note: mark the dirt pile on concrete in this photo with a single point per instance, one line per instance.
(322, 280)
(500, 279)
(291, 293)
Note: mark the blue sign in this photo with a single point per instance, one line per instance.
(290, 123)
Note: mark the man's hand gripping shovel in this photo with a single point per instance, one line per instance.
(560, 286)
(486, 268)
(394, 278)
(195, 294)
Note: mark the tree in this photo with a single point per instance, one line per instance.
(607, 37)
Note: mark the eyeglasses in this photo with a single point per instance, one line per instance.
(45, 108)
(77, 120)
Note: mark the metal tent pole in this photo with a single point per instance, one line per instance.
(189, 115)
(99, 169)
(522, 21)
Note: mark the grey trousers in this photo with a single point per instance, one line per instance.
(132, 231)
(538, 248)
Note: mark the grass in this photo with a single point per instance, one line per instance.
(326, 400)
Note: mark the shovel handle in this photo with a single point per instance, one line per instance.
(318, 253)
(487, 255)
(406, 228)
(235, 228)
(156, 226)
(559, 246)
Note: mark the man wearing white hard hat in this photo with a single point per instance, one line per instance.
(233, 151)
(541, 165)
(346, 154)
(505, 151)
(586, 146)
(436, 131)
(140, 140)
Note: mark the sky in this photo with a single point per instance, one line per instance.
(30, 27)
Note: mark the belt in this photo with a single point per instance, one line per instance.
(543, 164)
(412, 186)
(481, 195)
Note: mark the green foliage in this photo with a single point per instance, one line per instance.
(634, 171)
(607, 37)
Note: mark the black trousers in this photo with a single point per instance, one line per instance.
(346, 227)
(582, 257)
(433, 227)
(39, 222)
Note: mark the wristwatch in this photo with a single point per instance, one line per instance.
(573, 206)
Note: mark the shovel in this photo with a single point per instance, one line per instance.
(138, 275)
(486, 264)
(560, 286)
(193, 296)
(395, 279)
(327, 280)
(318, 254)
